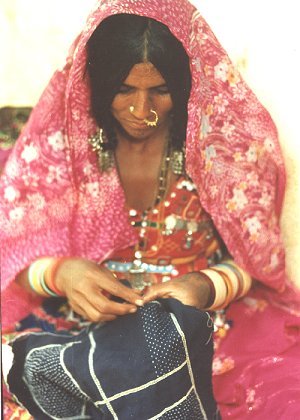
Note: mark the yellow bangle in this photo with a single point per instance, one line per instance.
(36, 273)
(220, 288)
(232, 276)
(228, 283)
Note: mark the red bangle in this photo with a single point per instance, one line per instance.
(50, 275)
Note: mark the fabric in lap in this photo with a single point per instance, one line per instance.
(156, 363)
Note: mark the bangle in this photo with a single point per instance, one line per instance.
(236, 286)
(36, 275)
(50, 275)
(239, 277)
(228, 284)
(46, 288)
(219, 285)
(246, 280)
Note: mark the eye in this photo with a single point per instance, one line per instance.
(124, 89)
(161, 90)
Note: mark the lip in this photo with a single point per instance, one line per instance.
(136, 125)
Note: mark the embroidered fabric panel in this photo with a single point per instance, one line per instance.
(117, 370)
(43, 386)
(178, 234)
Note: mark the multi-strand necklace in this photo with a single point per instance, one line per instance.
(173, 159)
(138, 274)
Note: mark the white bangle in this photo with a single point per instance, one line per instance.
(219, 285)
(247, 280)
(232, 276)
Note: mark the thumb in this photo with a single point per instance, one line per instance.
(157, 291)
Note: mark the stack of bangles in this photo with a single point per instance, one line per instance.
(227, 282)
(41, 276)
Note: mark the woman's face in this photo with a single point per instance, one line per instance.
(144, 89)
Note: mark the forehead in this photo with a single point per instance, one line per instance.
(144, 75)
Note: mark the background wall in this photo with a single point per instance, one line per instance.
(261, 37)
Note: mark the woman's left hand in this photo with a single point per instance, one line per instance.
(190, 289)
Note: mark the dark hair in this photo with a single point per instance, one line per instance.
(120, 42)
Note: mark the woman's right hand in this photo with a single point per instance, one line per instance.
(83, 283)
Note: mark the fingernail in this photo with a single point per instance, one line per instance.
(139, 302)
(133, 310)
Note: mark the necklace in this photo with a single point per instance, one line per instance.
(139, 278)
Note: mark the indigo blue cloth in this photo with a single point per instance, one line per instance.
(154, 364)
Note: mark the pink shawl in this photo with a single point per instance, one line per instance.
(55, 201)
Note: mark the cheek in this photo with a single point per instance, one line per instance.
(166, 105)
(119, 105)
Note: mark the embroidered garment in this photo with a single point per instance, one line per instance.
(54, 201)
(178, 237)
(149, 365)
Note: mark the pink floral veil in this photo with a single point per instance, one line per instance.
(54, 200)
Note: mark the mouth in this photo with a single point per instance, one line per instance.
(136, 125)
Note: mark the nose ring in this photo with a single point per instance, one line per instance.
(146, 121)
(152, 123)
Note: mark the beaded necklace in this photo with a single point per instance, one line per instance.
(138, 276)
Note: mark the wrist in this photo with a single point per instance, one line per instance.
(210, 290)
(55, 281)
(36, 277)
(228, 281)
(205, 287)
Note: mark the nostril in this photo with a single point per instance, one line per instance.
(140, 108)
(141, 113)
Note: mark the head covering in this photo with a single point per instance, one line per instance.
(55, 201)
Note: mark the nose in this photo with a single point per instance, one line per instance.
(141, 105)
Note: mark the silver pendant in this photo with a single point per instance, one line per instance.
(170, 224)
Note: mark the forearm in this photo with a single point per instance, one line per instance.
(22, 280)
(38, 278)
(228, 282)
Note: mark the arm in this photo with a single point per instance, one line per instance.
(87, 287)
(210, 289)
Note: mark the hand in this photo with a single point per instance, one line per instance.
(83, 283)
(190, 289)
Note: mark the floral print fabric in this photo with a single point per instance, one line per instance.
(54, 200)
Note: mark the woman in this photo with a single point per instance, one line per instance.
(134, 206)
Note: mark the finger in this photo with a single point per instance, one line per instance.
(114, 287)
(157, 291)
(91, 295)
(78, 310)
(106, 318)
(90, 314)
(101, 304)
(106, 306)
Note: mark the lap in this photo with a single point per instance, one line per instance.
(158, 359)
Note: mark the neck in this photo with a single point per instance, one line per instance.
(153, 143)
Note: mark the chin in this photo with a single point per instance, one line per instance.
(136, 134)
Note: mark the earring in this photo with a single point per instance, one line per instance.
(131, 109)
(105, 157)
(152, 123)
(178, 162)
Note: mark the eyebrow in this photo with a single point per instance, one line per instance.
(152, 87)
